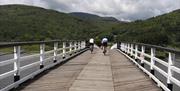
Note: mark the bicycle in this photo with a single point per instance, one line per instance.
(104, 50)
(91, 48)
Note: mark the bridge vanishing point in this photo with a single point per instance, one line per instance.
(69, 66)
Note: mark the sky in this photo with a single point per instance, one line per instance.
(124, 10)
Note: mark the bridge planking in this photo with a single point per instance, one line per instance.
(59, 78)
(127, 77)
(96, 76)
(93, 72)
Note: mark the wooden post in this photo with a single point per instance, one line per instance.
(55, 51)
(142, 55)
(70, 50)
(42, 49)
(64, 50)
(136, 52)
(17, 63)
(132, 50)
(75, 46)
(171, 59)
(152, 60)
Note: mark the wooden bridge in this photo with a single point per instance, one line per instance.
(73, 68)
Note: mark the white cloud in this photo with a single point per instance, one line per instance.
(40, 3)
(121, 9)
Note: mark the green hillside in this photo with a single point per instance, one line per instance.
(27, 23)
(104, 24)
(21, 23)
(161, 30)
(92, 17)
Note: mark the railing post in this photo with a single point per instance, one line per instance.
(75, 46)
(171, 59)
(136, 52)
(132, 50)
(82, 44)
(152, 60)
(124, 47)
(42, 49)
(128, 48)
(119, 46)
(142, 55)
(17, 63)
(70, 45)
(64, 50)
(79, 45)
(55, 51)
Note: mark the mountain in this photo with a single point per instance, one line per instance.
(162, 30)
(92, 17)
(28, 23)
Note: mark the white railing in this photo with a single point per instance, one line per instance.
(137, 51)
(73, 48)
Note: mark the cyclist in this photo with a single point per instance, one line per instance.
(104, 43)
(91, 42)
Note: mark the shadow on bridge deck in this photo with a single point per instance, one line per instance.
(93, 72)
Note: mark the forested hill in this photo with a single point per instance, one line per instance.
(27, 23)
(92, 17)
(161, 30)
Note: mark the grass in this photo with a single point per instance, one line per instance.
(6, 50)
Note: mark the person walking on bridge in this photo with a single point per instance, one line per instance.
(91, 44)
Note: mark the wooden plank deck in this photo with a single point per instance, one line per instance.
(96, 76)
(93, 72)
(60, 78)
(128, 77)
